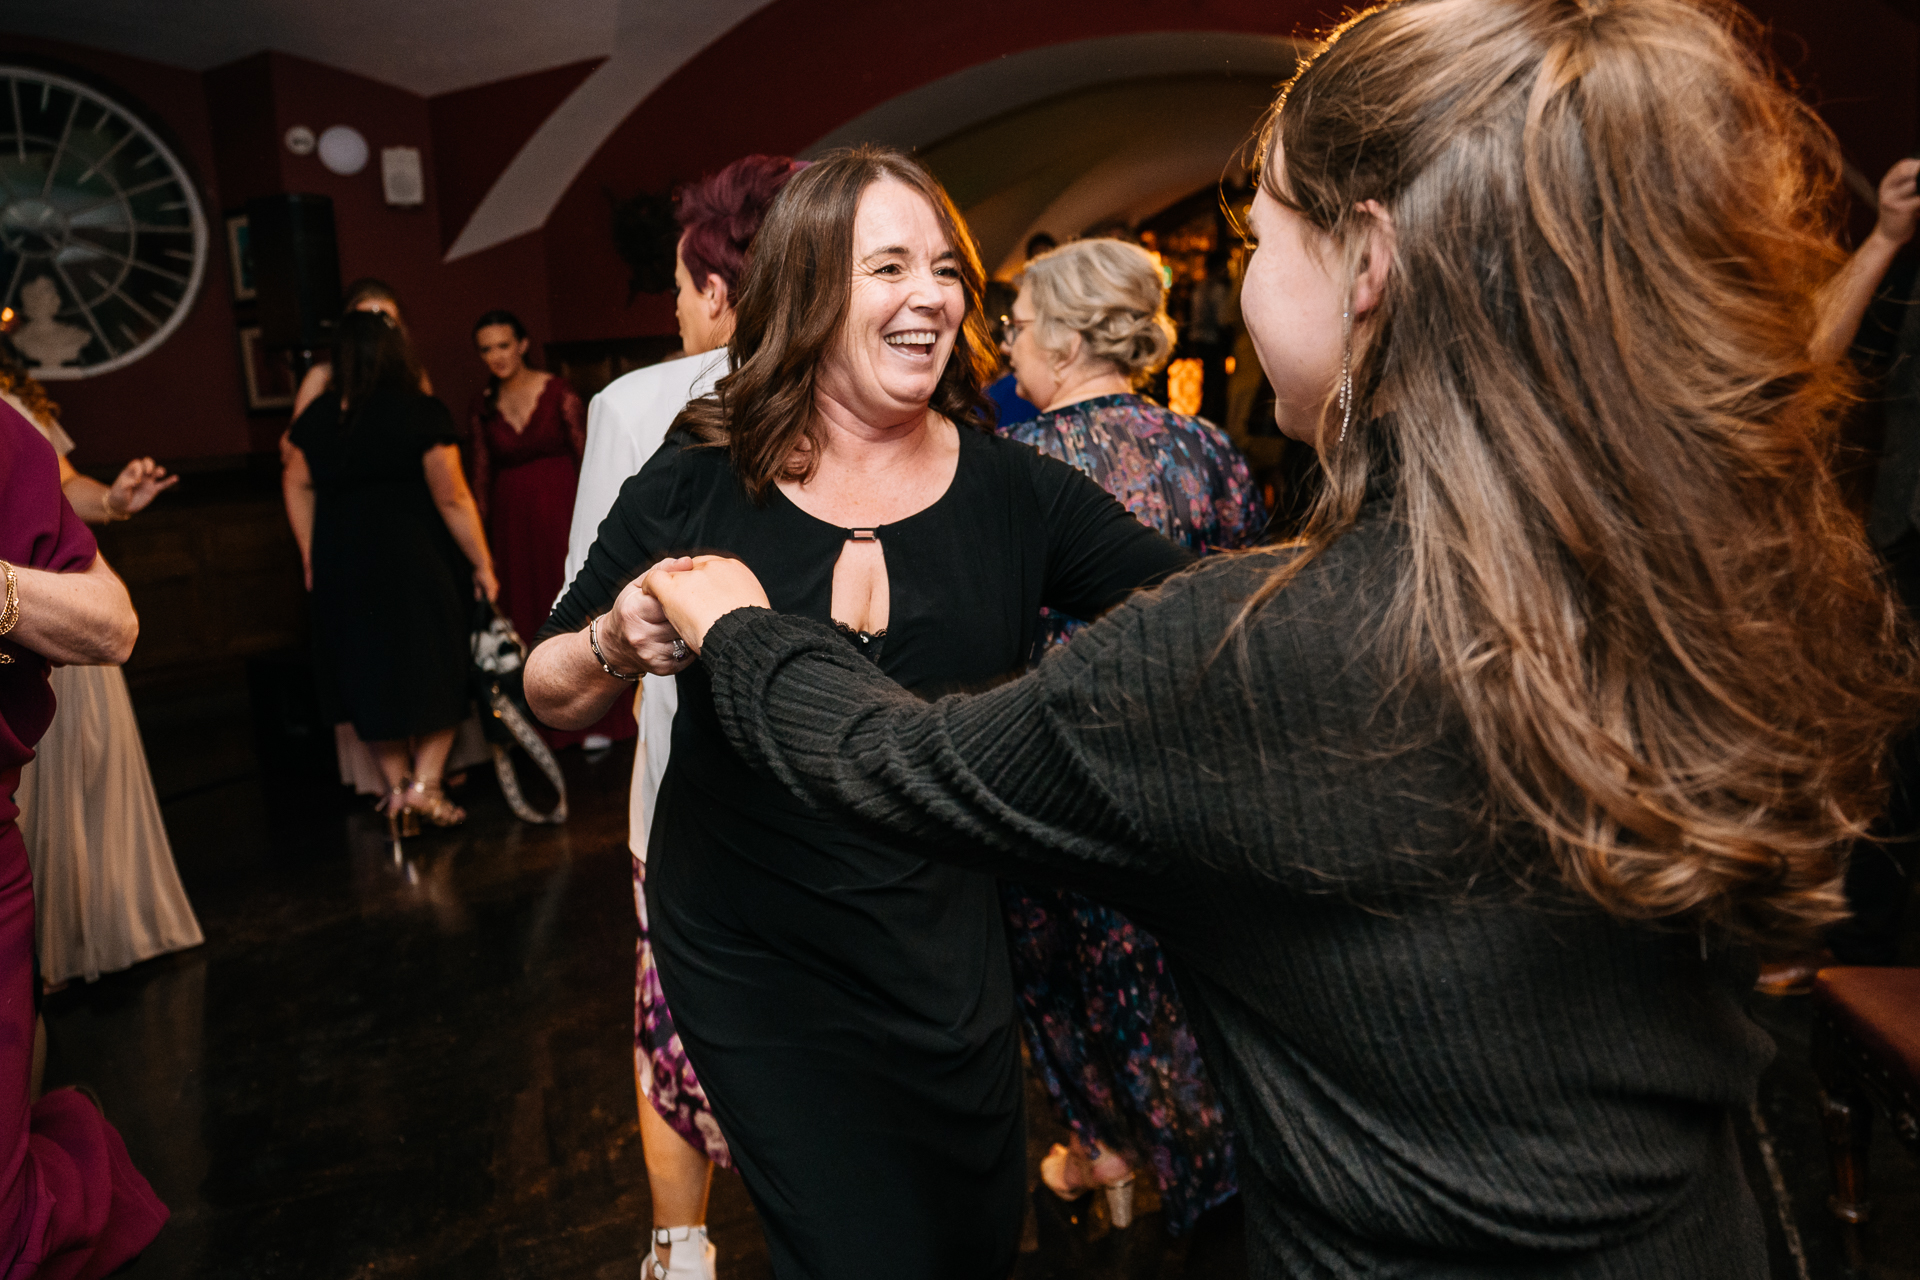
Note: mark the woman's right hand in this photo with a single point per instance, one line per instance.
(1899, 202)
(635, 634)
(485, 585)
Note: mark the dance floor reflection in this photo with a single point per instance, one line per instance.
(423, 1068)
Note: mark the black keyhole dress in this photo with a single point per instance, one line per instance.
(845, 1002)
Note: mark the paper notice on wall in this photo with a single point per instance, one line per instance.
(401, 176)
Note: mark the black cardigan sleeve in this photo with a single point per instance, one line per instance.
(1011, 781)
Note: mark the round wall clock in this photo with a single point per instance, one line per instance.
(102, 238)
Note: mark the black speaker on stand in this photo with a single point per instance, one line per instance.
(296, 273)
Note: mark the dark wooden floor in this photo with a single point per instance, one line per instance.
(423, 1068)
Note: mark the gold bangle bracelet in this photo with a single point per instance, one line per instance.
(9, 611)
(593, 641)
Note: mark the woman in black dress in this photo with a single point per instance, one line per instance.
(388, 531)
(845, 1001)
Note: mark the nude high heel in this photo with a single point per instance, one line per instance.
(1069, 1174)
(428, 800)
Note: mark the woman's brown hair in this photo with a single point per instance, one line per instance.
(371, 354)
(793, 301)
(1590, 379)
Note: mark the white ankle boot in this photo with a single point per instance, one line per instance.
(691, 1257)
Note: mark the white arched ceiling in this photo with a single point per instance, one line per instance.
(655, 38)
(1115, 151)
(955, 103)
(1159, 169)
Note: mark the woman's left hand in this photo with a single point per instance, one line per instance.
(485, 585)
(700, 595)
(139, 483)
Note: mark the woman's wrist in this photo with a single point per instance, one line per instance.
(600, 656)
(1882, 243)
(9, 604)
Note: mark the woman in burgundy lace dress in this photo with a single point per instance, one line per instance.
(528, 429)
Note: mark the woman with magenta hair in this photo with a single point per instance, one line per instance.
(626, 423)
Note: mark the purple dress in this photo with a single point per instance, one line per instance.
(72, 1206)
(1103, 1022)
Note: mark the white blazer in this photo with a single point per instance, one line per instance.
(625, 425)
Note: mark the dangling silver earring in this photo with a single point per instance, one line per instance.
(1346, 375)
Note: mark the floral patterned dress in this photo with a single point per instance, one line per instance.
(1103, 1021)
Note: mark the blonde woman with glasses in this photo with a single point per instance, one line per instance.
(1103, 1020)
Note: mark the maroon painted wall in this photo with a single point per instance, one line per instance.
(401, 245)
(1860, 66)
(477, 132)
(404, 246)
(185, 400)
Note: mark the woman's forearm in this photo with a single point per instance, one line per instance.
(299, 499)
(991, 781)
(88, 498)
(454, 500)
(1843, 303)
(565, 685)
(83, 619)
(463, 522)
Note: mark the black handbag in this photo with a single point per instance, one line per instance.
(499, 656)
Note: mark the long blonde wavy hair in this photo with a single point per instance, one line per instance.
(1628, 563)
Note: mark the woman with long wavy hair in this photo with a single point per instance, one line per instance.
(1456, 820)
(845, 1001)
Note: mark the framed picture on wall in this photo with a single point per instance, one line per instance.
(240, 257)
(269, 376)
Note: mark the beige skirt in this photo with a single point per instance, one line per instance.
(106, 893)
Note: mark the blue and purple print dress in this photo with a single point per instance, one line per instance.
(1104, 1024)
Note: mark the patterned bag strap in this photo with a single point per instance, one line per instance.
(536, 747)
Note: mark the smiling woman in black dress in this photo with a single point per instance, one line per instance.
(846, 1001)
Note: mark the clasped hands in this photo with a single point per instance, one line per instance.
(677, 599)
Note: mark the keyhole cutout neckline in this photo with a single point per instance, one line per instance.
(879, 594)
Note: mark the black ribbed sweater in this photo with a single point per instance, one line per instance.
(1431, 1072)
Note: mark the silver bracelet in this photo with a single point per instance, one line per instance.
(593, 639)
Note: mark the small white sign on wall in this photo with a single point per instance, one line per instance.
(401, 176)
